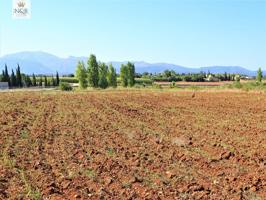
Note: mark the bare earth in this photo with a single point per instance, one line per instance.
(183, 83)
(133, 145)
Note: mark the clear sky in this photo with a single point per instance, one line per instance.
(191, 33)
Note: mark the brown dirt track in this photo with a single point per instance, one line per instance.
(133, 145)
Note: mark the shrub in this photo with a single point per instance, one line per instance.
(157, 86)
(137, 86)
(69, 79)
(237, 85)
(144, 81)
(237, 78)
(65, 86)
(173, 84)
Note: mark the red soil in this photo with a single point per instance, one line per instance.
(138, 145)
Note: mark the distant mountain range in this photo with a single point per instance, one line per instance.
(45, 63)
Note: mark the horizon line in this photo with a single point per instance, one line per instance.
(134, 61)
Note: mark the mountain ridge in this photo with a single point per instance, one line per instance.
(39, 62)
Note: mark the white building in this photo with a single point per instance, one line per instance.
(4, 86)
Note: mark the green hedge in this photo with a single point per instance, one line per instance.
(247, 85)
(139, 81)
(74, 80)
(62, 79)
(69, 79)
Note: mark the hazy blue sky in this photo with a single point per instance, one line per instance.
(186, 32)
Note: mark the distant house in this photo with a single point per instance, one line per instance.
(4, 86)
(246, 78)
(212, 78)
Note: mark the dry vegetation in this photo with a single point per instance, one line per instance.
(122, 145)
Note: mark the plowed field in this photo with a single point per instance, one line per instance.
(133, 145)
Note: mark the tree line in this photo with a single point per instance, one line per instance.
(171, 75)
(19, 80)
(99, 75)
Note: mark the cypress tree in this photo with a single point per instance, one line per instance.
(225, 76)
(5, 73)
(57, 79)
(34, 82)
(27, 81)
(40, 81)
(6, 76)
(53, 81)
(3, 76)
(45, 81)
(13, 80)
(48, 83)
(18, 76)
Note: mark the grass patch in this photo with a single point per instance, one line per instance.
(90, 173)
(6, 160)
(31, 192)
(250, 85)
(24, 135)
(110, 152)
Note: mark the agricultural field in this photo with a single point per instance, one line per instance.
(133, 145)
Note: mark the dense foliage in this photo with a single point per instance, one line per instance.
(20, 80)
(81, 75)
(98, 74)
(111, 77)
(65, 86)
(127, 74)
(93, 71)
(171, 75)
(103, 71)
(259, 75)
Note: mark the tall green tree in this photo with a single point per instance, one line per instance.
(18, 76)
(131, 74)
(112, 76)
(53, 81)
(93, 71)
(57, 79)
(27, 81)
(40, 81)
(103, 71)
(81, 75)
(34, 82)
(13, 80)
(48, 82)
(124, 75)
(6, 71)
(3, 76)
(259, 75)
(225, 76)
(45, 81)
(6, 76)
